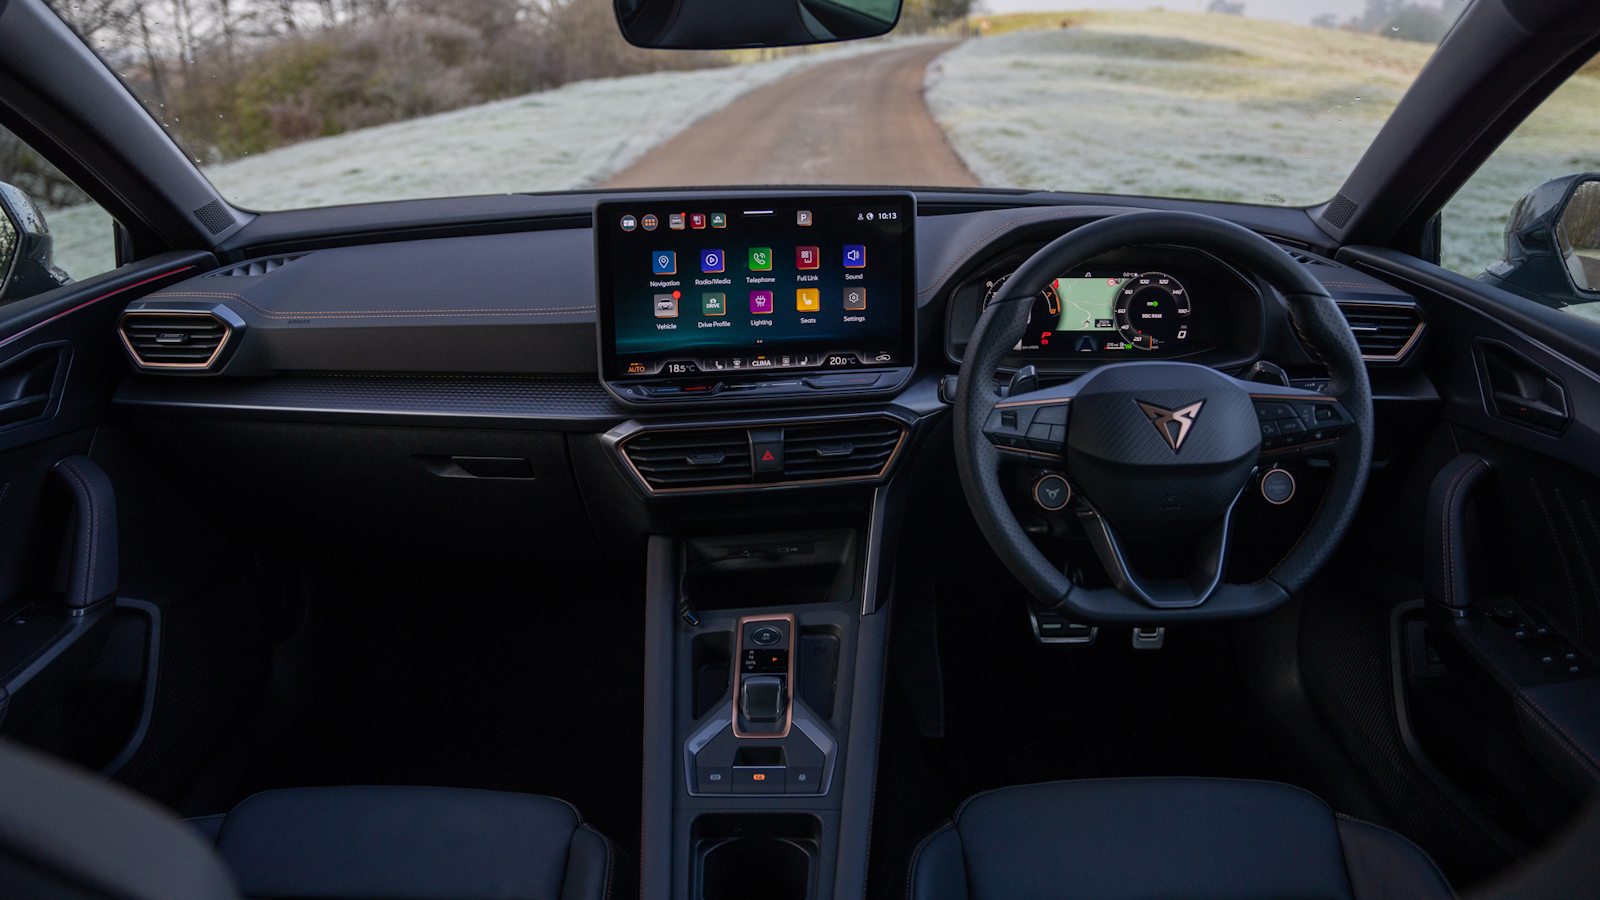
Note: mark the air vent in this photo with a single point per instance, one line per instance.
(254, 267)
(692, 459)
(1339, 211)
(1384, 331)
(854, 449)
(1304, 259)
(215, 217)
(173, 340)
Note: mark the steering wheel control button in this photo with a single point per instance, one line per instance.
(1052, 415)
(1277, 486)
(1052, 492)
(765, 635)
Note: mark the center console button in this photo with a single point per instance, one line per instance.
(713, 779)
(758, 780)
(766, 635)
(803, 780)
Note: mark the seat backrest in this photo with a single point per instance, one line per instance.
(65, 833)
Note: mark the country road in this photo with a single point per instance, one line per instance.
(859, 121)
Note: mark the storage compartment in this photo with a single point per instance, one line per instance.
(817, 669)
(711, 658)
(771, 857)
(790, 569)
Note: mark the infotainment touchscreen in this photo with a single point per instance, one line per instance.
(728, 291)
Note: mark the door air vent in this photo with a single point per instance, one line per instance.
(842, 450)
(173, 340)
(254, 267)
(692, 458)
(1383, 331)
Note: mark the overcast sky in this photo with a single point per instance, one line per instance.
(1298, 11)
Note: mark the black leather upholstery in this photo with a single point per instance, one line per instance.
(1164, 839)
(1444, 545)
(412, 843)
(93, 575)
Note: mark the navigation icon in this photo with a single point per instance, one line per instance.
(664, 262)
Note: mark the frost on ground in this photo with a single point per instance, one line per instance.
(1223, 108)
(1171, 104)
(575, 136)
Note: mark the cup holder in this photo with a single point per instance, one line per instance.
(740, 857)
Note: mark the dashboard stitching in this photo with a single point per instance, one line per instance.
(342, 314)
(967, 254)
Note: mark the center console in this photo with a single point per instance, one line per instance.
(772, 522)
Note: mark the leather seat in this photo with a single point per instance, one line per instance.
(411, 843)
(1165, 839)
(64, 833)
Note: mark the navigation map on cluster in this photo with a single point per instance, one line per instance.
(1087, 304)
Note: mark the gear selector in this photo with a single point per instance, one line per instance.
(766, 674)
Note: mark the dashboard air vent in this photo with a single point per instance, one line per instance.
(839, 450)
(173, 340)
(254, 267)
(692, 458)
(1305, 259)
(1384, 331)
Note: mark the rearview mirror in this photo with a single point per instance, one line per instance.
(728, 24)
(1553, 243)
(26, 248)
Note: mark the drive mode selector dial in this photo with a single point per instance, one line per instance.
(1153, 311)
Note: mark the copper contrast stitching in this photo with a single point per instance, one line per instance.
(983, 241)
(1573, 747)
(1448, 551)
(394, 314)
(911, 870)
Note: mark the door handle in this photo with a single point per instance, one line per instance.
(31, 383)
(1516, 388)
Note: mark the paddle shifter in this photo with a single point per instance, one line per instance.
(766, 674)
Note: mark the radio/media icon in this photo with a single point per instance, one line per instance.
(667, 306)
(855, 256)
(855, 298)
(711, 261)
(664, 262)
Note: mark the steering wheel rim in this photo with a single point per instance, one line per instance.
(1314, 316)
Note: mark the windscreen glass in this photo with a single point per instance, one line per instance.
(302, 103)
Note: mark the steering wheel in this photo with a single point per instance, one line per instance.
(1162, 449)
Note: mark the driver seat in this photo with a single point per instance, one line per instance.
(1165, 839)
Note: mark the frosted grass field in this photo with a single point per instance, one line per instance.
(572, 137)
(1222, 108)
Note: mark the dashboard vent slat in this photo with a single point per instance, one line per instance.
(711, 457)
(1383, 331)
(842, 450)
(254, 267)
(173, 340)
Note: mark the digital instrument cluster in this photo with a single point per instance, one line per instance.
(1142, 303)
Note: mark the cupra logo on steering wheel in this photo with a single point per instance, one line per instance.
(1174, 424)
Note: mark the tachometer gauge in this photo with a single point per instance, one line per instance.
(1153, 311)
(1052, 303)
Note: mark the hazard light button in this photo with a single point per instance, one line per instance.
(768, 456)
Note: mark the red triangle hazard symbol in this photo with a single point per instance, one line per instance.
(767, 456)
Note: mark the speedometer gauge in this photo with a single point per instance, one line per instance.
(1153, 311)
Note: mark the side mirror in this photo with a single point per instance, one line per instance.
(1553, 243)
(26, 267)
(727, 24)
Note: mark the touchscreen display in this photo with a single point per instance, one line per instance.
(725, 286)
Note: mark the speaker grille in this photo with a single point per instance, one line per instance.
(215, 217)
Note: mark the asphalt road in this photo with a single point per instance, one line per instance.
(858, 121)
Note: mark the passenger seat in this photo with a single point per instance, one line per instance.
(66, 834)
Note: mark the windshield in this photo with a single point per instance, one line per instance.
(289, 104)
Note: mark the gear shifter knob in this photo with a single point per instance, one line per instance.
(761, 698)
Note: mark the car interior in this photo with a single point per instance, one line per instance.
(438, 549)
